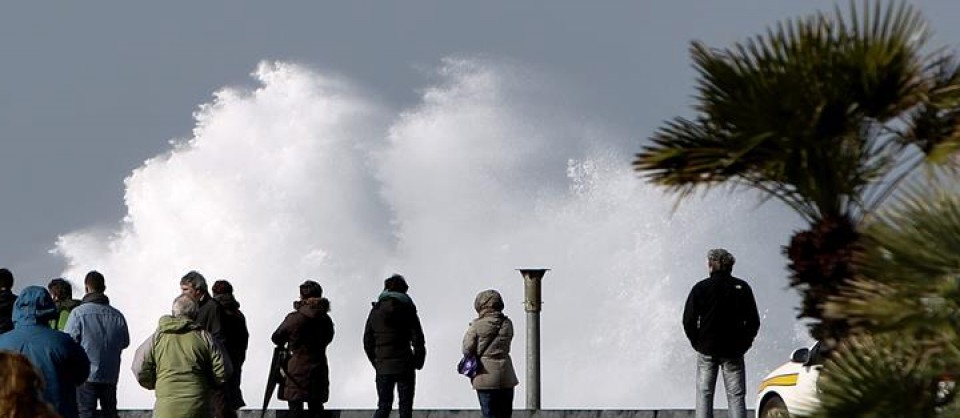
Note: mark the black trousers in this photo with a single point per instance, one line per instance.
(405, 384)
(296, 409)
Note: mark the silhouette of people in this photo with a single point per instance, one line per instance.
(394, 343)
(62, 292)
(234, 327)
(306, 332)
(721, 320)
(210, 318)
(489, 337)
(102, 332)
(20, 389)
(182, 363)
(6, 300)
(62, 363)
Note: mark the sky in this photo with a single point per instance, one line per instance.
(148, 139)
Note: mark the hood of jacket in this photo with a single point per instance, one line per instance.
(402, 297)
(34, 306)
(176, 325)
(228, 301)
(313, 307)
(96, 297)
(488, 302)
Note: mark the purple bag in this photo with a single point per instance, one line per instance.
(469, 365)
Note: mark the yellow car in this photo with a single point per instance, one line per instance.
(791, 389)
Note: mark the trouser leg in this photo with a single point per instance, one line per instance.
(707, 369)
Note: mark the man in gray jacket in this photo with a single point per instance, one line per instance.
(102, 332)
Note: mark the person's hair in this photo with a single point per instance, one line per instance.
(311, 289)
(720, 260)
(185, 306)
(6, 279)
(20, 389)
(222, 287)
(196, 280)
(95, 281)
(395, 283)
(60, 289)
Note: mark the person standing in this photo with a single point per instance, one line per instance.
(182, 363)
(209, 317)
(62, 292)
(721, 320)
(234, 326)
(60, 360)
(102, 332)
(489, 338)
(394, 343)
(307, 332)
(7, 298)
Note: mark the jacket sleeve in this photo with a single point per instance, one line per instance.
(751, 315)
(281, 336)
(369, 340)
(419, 343)
(691, 317)
(221, 367)
(124, 333)
(73, 327)
(469, 345)
(79, 363)
(144, 363)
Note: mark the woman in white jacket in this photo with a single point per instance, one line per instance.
(489, 337)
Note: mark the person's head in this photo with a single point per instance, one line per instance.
(488, 301)
(222, 287)
(184, 306)
(193, 284)
(720, 260)
(21, 388)
(60, 289)
(310, 289)
(94, 282)
(6, 279)
(395, 283)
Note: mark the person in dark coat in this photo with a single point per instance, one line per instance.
(210, 318)
(7, 298)
(394, 343)
(60, 360)
(234, 326)
(306, 332)
(721, 320)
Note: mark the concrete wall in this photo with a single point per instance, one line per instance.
(475, 413)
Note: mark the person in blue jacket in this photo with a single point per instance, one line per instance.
(61, 361)
(102, 332)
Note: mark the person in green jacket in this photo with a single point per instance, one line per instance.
(62, 293)
(182, 363)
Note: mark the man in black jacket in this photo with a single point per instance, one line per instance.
(721, 321)
(7, 299)
(394, 343)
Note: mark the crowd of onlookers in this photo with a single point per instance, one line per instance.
(60, 356)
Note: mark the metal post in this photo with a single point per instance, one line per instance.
(531, 303)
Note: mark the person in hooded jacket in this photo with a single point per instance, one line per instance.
(182, 363)
(489, 338)
(62, 292)
(307, 332)
(7, 298)
(234, 326)
(60, 360)
(394, 343)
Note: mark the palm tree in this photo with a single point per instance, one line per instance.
(826, 113)
(903, 306)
